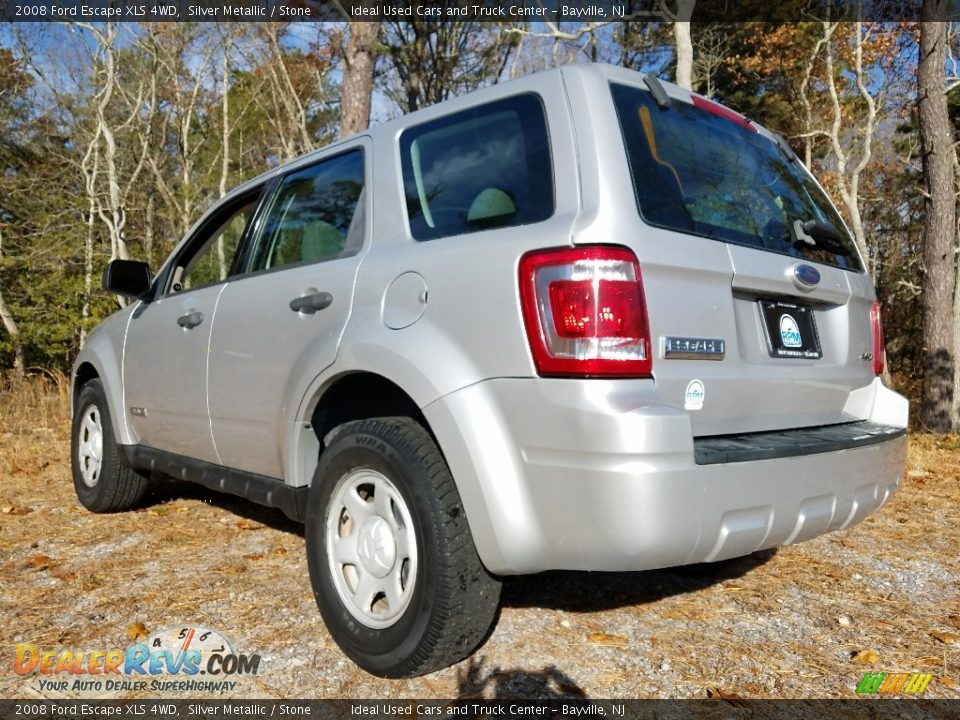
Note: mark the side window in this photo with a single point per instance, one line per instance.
(212, 262)
(487, 167)
(314, 215)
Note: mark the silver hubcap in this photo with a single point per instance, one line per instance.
(90, 450)
(371, 548)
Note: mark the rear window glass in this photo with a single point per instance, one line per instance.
(703, 174)
(487, 167)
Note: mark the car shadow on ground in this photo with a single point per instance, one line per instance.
(558, 590)
(165, 490)
(591, 592)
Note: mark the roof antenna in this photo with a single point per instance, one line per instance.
(656, 89)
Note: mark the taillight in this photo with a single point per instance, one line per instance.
(585, 313)
(879, 353)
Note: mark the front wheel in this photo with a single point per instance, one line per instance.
(392, 562)
(102, 482)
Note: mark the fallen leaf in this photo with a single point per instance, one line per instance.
(14, 510)
(947, 638)
(279, 551)
(605, 640)
(248, 525)
(254, 556)
(948, 681)
(65, 576)
(865, 657)
(137, 631)
(41, 562)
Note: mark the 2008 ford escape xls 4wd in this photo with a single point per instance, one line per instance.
(583, 320)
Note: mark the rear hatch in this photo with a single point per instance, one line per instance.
(758, 304)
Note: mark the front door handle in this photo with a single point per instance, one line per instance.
(190, 320)
(309, 304)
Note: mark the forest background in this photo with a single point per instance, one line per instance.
(115, 137)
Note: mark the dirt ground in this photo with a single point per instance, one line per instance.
(804, 622)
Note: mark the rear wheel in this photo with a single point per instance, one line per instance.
(393, 565)
(102, 482)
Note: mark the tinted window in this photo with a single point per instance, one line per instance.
(700, 173)
(487, 167)
(312, 214)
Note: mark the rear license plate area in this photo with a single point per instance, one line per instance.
(790, 328)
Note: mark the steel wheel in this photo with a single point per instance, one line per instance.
(103, 483)
(371, 547)
(90, 446)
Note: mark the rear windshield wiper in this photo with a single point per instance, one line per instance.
(815, 232)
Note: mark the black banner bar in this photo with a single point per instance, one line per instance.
(726, 709)
(515, 11)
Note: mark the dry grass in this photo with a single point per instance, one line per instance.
(806, 621)
(38, 401)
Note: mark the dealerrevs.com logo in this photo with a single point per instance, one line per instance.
(185, 659)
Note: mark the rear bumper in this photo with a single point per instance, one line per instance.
(596, 475)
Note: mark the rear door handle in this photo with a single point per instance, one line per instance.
(190, 320)
(309, 304)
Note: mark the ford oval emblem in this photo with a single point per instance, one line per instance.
(807, 275)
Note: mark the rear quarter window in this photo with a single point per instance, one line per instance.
(483, 168)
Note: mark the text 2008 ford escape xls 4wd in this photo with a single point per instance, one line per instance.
(582, 320)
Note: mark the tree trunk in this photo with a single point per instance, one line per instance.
(10, 325)
(681, 35)
(358, 78)
(225, 148)
(88, 270)
(955, 409)
(936, 143)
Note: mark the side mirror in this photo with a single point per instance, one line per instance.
(129, 278)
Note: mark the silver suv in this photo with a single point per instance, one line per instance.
(584, 320)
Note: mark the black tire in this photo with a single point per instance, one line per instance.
(112, 486)
(451, 604)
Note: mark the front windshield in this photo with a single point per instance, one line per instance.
(700, 173)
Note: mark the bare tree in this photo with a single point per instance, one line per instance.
(712, 43)
(114, 214)
(939, 277)
(435, 59)
(182, 57)
(851, 160)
